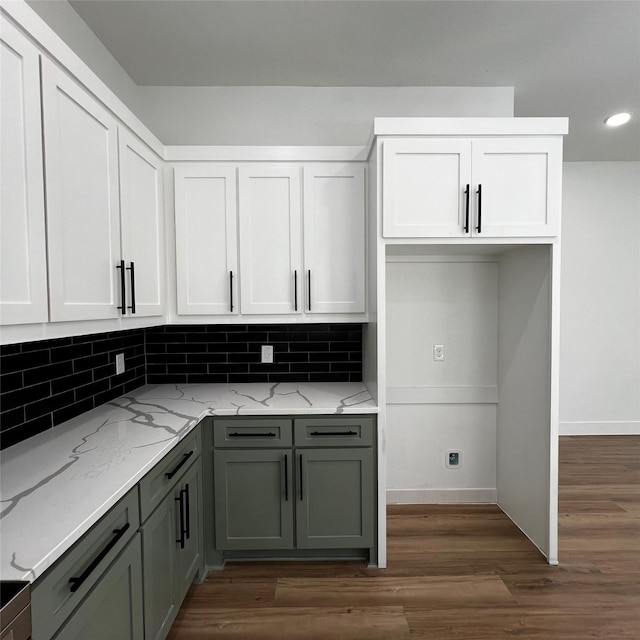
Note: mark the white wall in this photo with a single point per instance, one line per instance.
(302, 115)
(62, 18)
(600, 299)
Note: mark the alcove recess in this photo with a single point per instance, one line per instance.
(491, 308)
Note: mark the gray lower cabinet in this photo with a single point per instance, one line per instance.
(253, 498)
(113, 609)
(171, 551)
(316, 494)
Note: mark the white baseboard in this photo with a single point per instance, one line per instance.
(441, 496)
(611, 428)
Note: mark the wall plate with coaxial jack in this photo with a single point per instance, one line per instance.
(453, 459)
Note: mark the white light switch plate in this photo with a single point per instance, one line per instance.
(267, 354)
(119, 363)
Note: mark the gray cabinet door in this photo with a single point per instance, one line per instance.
(161, 592)
(334, 498)
(253, 499)
(189, 556)
(114, 608)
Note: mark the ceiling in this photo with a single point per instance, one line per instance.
(576, 58)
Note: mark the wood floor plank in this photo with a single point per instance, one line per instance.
(384, 591)
(294, 623)
(456, 571)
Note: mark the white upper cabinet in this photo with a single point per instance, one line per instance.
(83, 221)
(424, 182)
(270, 239)
(334, 238)
(206, 239)
(23, 277)
(520, 183)
(142, 225)
(472, 187)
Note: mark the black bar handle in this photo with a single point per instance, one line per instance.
(301, 494)
(479, 192)
(180, 501)
(252, 435)
(333, 433)
(309, 287)
(187, 517)
(120, 266)
(76, 582)
(231, 291)
(133, 288)
(286, 477)
(185, 457)
(466, 210)
(295, 290)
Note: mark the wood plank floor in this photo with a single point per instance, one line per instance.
(456, 571)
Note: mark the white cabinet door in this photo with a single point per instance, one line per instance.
(23, 277)
(520, 184)
(141, 219)
(83, 225)
(334, 238)
(270, 239)
(206, 239)
(424, 187)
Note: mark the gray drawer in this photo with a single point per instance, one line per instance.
(164, 476)
(252, 433)
(334, 431)
(52, 600)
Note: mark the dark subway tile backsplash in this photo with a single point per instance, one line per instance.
(231, 353)
(48, 382)
(45, 383)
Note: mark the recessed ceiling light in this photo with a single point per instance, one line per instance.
(618, 119)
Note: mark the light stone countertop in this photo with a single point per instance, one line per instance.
(56, 485)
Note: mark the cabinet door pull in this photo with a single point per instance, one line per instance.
(185, 457)
(466, 210)
(295, 290)
(235, 434)
(180, 501)
(301, 494)
(479, 192)
(286, 477)
(120, 266)
(333, 433)
(133, 288)
(187, 516)
(309, 287)
(76, 582)
(231, 291)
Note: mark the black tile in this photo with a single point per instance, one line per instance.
(9, 350)
(248, 377)
(301, 356)
(207, 357)
(22, 361)
(23, 396)
(288, 377)
(269, 368)
(162, 378)
(156, 369)
(11, 382)
(309, 346)
(308, 367)
(329, 377)
(227, 347)
(255, 336)
(163, 358)
(133, 384)
(106, 371)
(355, 377)
(186, 347)
(289, 336)
(164, 337)
(61, 354)
(91, 390)
(326, 356)
(253, 356)
(49, 372)
(110, 344)
(106, 396)
(207, 378)
(237, 328)
(345, 366)
(48, 405)
(91, 362)
(70, 382)
(73, 410)
(345, 346)
(186, 368)
(10, 419)
(45, 344)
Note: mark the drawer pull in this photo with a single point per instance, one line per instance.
(76, 583)
(183, 530)
(333, 434)
(185, 457)
(252, 435)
